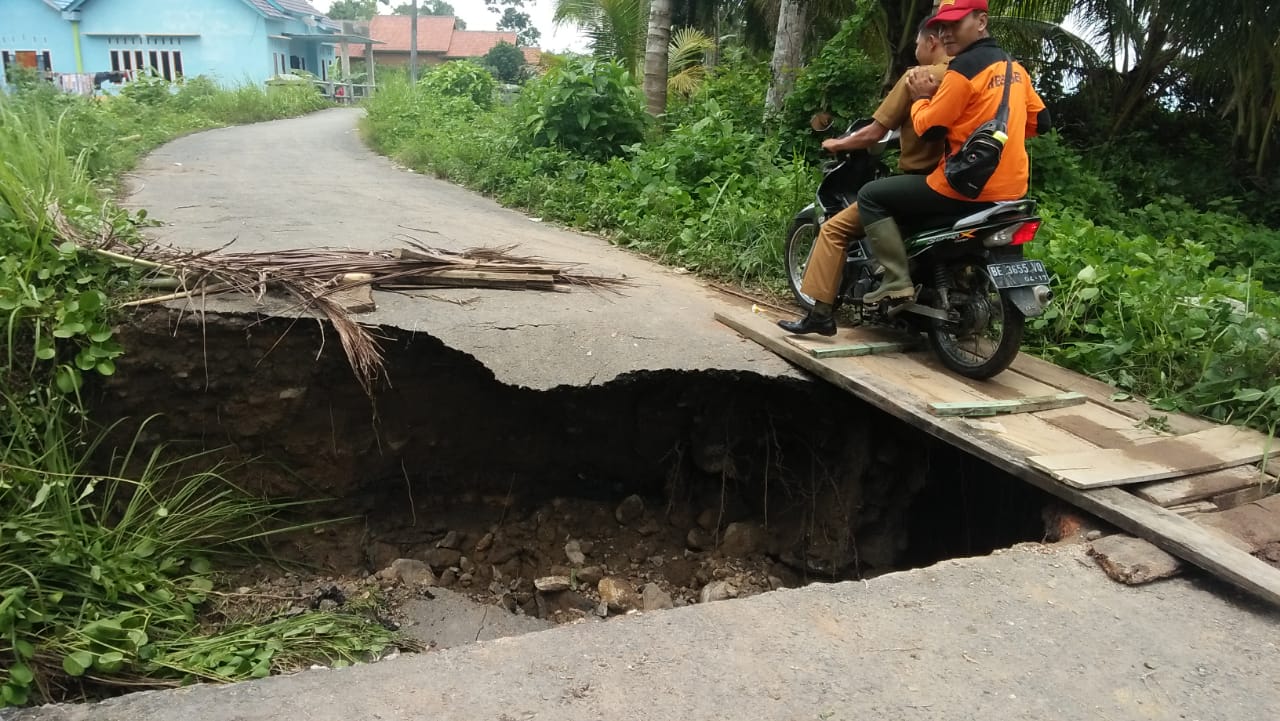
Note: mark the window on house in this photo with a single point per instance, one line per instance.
(31, 59)
(127, 61)
(166, 64)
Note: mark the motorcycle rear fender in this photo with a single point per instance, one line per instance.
(926, 239)
(1027, 301)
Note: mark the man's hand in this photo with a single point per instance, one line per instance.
(836, 145)
(920, 83)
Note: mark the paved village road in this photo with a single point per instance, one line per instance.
(310, 182)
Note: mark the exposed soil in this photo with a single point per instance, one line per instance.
(680, 480)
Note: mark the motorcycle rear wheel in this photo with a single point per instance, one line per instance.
(801, 238)
(987, 337)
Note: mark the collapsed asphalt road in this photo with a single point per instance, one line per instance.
(310, 182)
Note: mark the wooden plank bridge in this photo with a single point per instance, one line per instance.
(1188, 486)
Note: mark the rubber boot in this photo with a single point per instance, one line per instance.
(886, 242)
(819, 320)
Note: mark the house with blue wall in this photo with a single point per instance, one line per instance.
(232, 41)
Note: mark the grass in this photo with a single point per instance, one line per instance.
(107, 560)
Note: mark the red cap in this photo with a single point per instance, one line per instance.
(950, 11)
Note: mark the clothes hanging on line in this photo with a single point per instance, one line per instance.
(76, 83)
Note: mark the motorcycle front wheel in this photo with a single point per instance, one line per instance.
(801, 238)
(985, 332)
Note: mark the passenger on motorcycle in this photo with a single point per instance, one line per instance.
(822, 273)
(968, 96)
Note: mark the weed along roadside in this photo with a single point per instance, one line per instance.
(110, 558)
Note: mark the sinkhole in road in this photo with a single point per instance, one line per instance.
(688, 485)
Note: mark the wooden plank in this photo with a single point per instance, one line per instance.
(1227, 501)
(1185, 539)
(1207, 450)
(920, 378)
(1169, 531)
(974, 409)
(1257, 523)
(1101, 426)
(852, 350)
(1192, 509)
(1133, 561)
(1201, 486)
(1101, 393)
(477, 277)
(354, 293)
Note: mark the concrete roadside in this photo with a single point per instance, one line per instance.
(1029, 633)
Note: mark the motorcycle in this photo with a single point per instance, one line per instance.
(975, 289)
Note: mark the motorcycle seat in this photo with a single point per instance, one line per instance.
(999, 208)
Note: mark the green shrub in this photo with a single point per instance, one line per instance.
(506, 62)
(1160, 317)
(461, 79)
(590, 107)
(148, 89)
(737, 86)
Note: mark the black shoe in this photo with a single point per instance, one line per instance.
(820, 324)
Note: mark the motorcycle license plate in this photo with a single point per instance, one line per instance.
(1019, 274)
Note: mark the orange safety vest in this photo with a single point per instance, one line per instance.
(970, 96)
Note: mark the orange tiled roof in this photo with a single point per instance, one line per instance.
(436, 35)
(435, 32)
(475, 43)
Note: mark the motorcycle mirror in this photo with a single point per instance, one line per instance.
(821, 121)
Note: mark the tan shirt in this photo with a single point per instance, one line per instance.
(917, 155)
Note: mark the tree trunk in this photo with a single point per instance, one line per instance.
(787, 46)
(413, 43)
(655, 57)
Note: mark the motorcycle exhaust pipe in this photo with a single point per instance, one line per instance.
(1044, 294)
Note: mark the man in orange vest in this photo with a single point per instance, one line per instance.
(822, 275)
(968, 96)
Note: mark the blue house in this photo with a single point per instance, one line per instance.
(232, 41)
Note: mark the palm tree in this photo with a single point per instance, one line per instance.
(688, 57)
(655, 57)
(788, 44)
(1227, 50)
(617, 28)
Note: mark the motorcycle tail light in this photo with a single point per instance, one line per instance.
(1025, 232)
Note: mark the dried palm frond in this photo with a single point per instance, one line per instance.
(313, 277)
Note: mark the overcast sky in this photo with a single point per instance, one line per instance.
(478, 17)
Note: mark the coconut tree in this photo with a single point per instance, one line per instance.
(655, 57)
(616, 28)
(687, 60)
(788, 44)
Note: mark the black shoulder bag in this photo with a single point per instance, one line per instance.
(969, 168)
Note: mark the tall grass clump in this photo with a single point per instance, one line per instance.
(104, 574)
